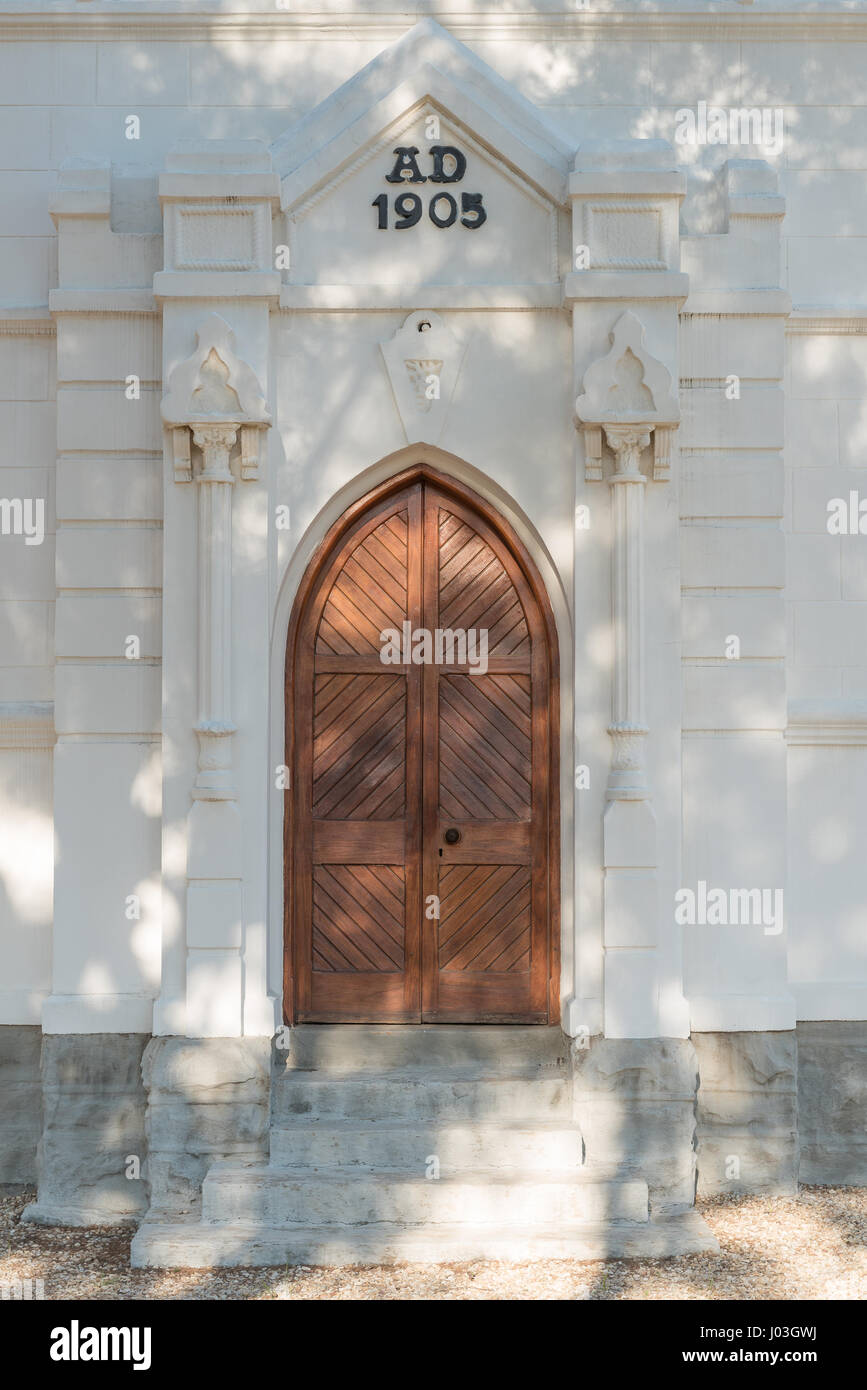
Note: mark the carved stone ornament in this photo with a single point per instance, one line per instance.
(214, 387)
(627, 386)
(213, 398)
(423, 361)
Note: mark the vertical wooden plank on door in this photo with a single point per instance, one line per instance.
(486, 754)
(358, 782)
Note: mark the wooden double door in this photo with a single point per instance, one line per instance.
(421, 848)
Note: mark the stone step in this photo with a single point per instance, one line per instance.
(424, 1096)
(459, 1148)
(350, 1048)
(198, 1246)
(259, 1194)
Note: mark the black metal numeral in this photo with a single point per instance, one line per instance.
(382, 204)
(435, 217)
(472, 203)
(408, 209)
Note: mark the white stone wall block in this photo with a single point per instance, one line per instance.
(774, 71)
(215, 833)
(26, 633)
(830, 634)
(101, 947)
(713, 346)
(732, 557)
(814, 488)
(757, 621)
(214, 914)
(684, 73)
(734, 695)
(630, 833)
(730, 485)
(24, 198)
(273, 73)
(710, 420)
(631, 994)
(101, 624)
(26, 571)
(27, 367)
(828, 366)
(827, 823)
(106, 421)
(814, 566)
(213, 994)
(747, 258)
(93, 257)
(825, 203)
(823, 270)
(92, 557)
(852, 417)
(27, 434)
(35, 74)
(113, 489)
(853, 569)
(142, 73)
(28, 269)
(25, 137)
(26, 873)
(631, 908)
(114, 699)
(555, 72)
(811, 433)
(93, 348)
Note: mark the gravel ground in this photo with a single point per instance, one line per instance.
(813, 1246)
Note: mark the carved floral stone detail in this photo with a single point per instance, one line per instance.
(421, 348)
(214, 385)
(425, 374)
(627, 384)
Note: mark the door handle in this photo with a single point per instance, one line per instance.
(452, 835)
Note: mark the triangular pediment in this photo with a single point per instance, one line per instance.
(350, 220)
(426, 67)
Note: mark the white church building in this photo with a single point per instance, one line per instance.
(433, 621)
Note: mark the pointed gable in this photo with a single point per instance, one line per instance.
(426, 91)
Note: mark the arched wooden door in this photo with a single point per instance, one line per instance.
(422, 842)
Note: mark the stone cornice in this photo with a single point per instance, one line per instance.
(26, 323)
(91, 20)
(816, 319)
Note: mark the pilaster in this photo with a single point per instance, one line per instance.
(216, 290)
(626, 289)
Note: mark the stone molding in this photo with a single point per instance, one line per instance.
(831, 723)
(219, 24)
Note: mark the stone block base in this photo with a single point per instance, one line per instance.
(635, 1102)
(93, 1107)
(747, 1113)
(832, 1103)
(207, 1100)
(20, 1104)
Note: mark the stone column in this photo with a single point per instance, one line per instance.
(215, 727)
(631, 931)
(214, 872)
(627, 778)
